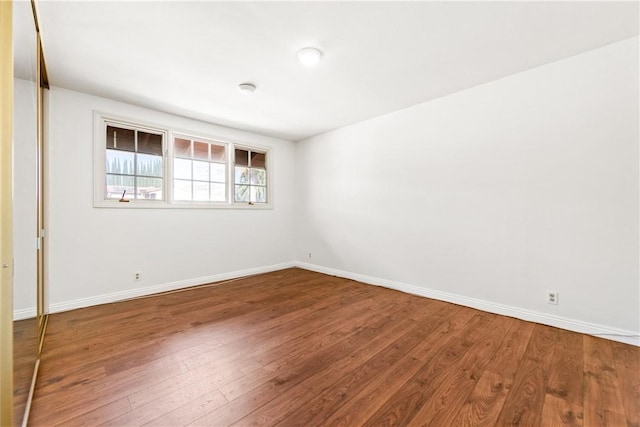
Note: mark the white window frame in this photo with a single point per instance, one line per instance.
(171, 158)
(267, 166)
(99, 160)
(102, 119)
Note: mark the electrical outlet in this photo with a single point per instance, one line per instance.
(552, 297)
(136, 276)
(309, 254)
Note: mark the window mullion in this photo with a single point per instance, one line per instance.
(231, 174)
(166, 174)
(135, 164)
(209, 170)
(191, 155)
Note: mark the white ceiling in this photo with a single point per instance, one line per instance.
(187, 58)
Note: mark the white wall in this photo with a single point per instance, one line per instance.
(487, 197)
(24, 199)
(93, 252)
(492, 195)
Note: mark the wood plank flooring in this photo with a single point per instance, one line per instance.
(297, 348)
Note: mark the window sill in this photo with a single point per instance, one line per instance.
(144, 204)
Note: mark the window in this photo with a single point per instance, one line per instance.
(133, 163)
(199, 170)
(250, 176)
(147, 166)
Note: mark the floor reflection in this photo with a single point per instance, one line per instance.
(24, 359)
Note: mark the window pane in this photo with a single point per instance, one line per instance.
(259, 194)
(120, 139)
(218, 153)
(120, 162)
(200, 150)
(218, 172)
(149, 188)
(258, 176)
(200, 191)
(258, 160)
(201, 171)
(242, 193)
(182, 168)
(182, 147)
(218, 193)
(242, 175)
(149, 143)
(181, 189)
(242, 158)
(149, 165)
(116, 184)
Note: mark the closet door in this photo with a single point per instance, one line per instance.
(6, 214)
(40, 233)
(26, 88)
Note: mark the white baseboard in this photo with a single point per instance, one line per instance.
(24, 313)
(171, 286)
(624, 336)
(621, 335)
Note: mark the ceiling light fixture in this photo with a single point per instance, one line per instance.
(309, 56)
(247, 87)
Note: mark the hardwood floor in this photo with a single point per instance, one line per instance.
(297, 348)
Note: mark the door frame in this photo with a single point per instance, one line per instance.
(6, 213)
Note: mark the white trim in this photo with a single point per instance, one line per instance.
(24, 313)
(171, 155)
(100, 122)
(268, 155)
(100, 119)
(148, 204)
(149, 290)
(620, 335)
